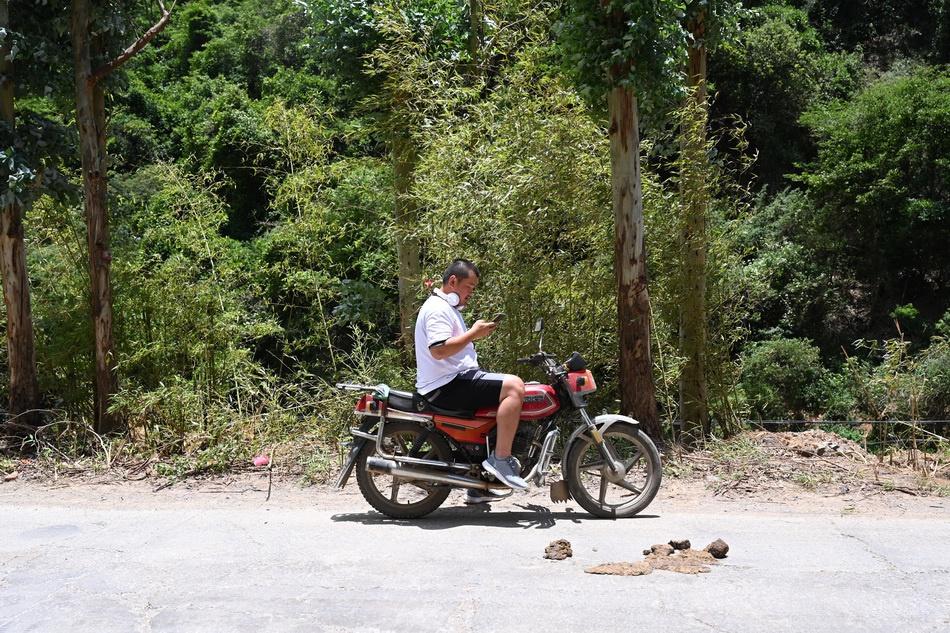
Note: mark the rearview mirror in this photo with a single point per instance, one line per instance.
(538, 326)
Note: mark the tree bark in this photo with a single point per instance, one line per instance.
(637, 394)
(694, 406)
(407, 243)
(91, 121)
(475, 35)
(21, 356)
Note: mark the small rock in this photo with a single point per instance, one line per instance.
(11, 476)
(718, 548)
(647, 552)
(661, 550)
(621, 569)
(681, 544)
(558, 550)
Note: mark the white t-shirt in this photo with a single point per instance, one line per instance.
(438, 322)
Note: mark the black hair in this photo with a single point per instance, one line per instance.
(461, 268)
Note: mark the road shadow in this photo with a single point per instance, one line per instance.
(530, 516)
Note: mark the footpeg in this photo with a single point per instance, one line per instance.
(560, 492)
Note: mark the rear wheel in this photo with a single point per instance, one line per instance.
(394, 496)
(600, 492)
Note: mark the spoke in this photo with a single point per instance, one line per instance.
(395, 491)
(417, 445)
(592, 466)
(627, 465)
(629, 486)
(402, 444)
(603, 490)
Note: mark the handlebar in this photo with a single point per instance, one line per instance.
(537, 358)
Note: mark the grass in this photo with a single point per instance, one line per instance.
(811, 481)
(740, 449)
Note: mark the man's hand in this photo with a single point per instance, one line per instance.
(481, 328)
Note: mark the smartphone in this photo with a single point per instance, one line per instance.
(498, 317)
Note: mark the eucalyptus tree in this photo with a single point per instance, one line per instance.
(24, 389)
(96, 27)
(706, 21)
(31, 34)
(629, 51)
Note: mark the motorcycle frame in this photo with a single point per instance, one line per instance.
(538, 472)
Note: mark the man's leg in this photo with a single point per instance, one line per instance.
(509, 410)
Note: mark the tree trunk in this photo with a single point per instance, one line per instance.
(91, 121)
(475, 34)
(21, 357)
(637, 395)
(407, 243)
(694, 406)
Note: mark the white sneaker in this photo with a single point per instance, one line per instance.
(476, 496)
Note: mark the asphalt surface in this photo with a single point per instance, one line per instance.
(320, 562)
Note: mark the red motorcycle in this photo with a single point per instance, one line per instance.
(409, 455)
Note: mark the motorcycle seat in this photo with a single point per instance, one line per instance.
(414, 403)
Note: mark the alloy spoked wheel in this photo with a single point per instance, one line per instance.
(394, 496)
(604, 494)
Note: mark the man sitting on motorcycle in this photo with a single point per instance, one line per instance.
(449, 376)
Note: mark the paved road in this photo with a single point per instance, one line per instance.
(200, 565)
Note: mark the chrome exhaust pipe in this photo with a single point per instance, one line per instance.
(389, 467)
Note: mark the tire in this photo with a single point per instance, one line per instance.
(640, 483)
(419, 498)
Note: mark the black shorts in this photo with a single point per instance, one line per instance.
(469, 391)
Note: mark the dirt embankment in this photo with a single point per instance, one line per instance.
(765, 463)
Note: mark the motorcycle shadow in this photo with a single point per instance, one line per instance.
(530, 516)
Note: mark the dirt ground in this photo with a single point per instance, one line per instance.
(806, 472)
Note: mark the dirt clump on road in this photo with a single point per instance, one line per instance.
(621, 569)
(663, 549)
(718, 548)
(558, 550)
(668, 557)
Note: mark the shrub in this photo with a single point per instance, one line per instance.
(782, 378)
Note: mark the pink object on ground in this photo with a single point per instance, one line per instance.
(261, 460)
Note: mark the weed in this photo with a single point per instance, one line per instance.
(847, 432)
(811, 481)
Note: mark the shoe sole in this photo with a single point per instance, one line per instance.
(480, 502)
(487, 466)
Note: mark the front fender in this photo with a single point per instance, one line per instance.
(603, 422)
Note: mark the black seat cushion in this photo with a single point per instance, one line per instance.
(405, 401)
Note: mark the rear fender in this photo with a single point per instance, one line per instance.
(602, 422)
(356, 444)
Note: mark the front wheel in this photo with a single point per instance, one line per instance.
(604, 494)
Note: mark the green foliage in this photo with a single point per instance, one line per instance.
(769, 74)
(877, 184)
(254, 260)
(520, 184)
(882, 30)
(640, 44)
(781, 378)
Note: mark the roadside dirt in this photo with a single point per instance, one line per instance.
(808, 472)
(786, 467)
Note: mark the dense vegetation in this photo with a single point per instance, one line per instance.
(253, 204)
